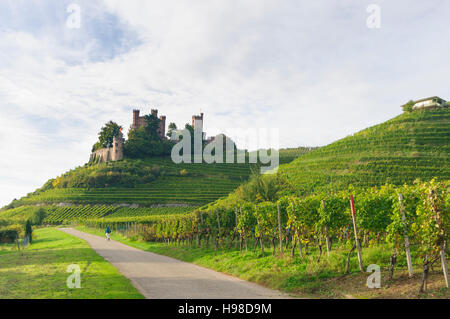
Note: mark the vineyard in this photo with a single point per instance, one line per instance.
(147, 182)
(184, 190)
(407, 218)
(56, 215)
(409, 146)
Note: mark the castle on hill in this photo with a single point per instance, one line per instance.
(116, 152)
(139, 121)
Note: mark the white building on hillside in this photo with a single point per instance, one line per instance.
(430, 102)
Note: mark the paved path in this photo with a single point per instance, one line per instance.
(161, 277)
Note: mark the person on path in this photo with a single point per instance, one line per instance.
(108, 233)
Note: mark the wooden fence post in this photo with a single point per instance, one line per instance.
(240, 234)
(201, 224)
(405, 234)
(236, 222)
(355, 228)
(444, 264)
(279, 228)
(259, 229)
(327, 238)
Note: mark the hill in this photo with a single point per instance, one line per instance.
(410, 146)
(146, 182)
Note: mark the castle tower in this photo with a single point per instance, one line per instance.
(117, 149)
(135, 119)
(197, 121)
(139, 121)
(162, 126)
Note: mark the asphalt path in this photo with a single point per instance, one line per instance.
(162, 277)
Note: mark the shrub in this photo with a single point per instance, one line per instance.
(17, 228)
(8, 235)
(408, 107)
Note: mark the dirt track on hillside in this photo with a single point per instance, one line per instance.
(162, 277)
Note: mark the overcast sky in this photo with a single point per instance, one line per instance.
(313, 69)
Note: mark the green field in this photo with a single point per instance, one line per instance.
(409, 146)
(39, 271)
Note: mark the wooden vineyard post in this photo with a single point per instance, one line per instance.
(240, 233)
(355, 228)
(279, 228)
(407, 250)
(236, 222)
(201, 224)
(327, 238)
(259, 229)
(197, 239)
(444, 264)
(214, 238)
(218, 225)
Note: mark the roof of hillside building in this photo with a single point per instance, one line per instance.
(429, 98)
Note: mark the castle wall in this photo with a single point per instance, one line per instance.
(139, 121)
(103, 155)
(114, 153)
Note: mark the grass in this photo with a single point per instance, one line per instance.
(39, 271)
(299, 277)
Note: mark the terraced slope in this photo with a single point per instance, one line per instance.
(409, 146)
(65, 214)
(147, 182)
(166, 190)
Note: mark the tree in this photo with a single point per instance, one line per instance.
(261, 188)
(152, 127)
(106, 135)
(172, 127)
(145, 141)
(38, 217)
(408, 107)
(28, 230)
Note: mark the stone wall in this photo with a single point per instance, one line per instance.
(103, 155)
(114, 153)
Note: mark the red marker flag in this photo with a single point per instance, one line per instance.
(352, 203)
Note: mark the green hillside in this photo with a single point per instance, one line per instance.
(410, 146)
(53, 214)
(146, 182)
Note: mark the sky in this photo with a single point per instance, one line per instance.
(315, 70)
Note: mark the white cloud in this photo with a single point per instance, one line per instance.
(310, 68)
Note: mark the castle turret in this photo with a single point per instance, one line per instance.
(117, 149)
(135, 119)
(197, 122)
(162, 126)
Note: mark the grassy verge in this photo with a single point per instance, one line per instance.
(39, 271)
(301, 277)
